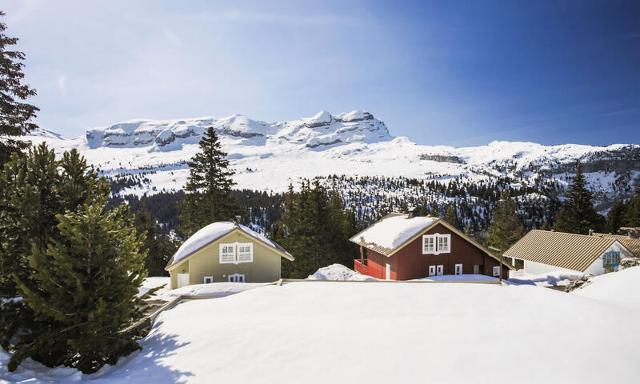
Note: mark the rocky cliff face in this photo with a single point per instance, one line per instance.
(321, 130)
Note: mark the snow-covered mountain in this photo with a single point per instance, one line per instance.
(321, 130)
(269, 156)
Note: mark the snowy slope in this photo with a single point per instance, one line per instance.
(367, 332)
(268, 156)
(615, 288)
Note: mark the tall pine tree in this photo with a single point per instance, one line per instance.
(506, 228)
(616, 216)
(29, 201)
(83, 292)
(577, 214)
(315, 228)
(16, 114)
(208, 189)
(158, 246)
(451, 216)
(632, 214)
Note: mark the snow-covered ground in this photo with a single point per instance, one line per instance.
(463, 277)
(620, 288)
(154, 282)
(212, 290)
(338, 272)
(551, 279)
(379, 333)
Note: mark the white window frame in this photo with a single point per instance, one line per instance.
(239, 255)
(446, 249)
(227, 257)
(210, 278)
(224, 257)
(233, 278)
(439, 270)
(496, 271)
(434, 244)
(455, 269)
(432, 270)
(431, 249)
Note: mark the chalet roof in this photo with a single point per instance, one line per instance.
(214, 231)
(396, 230)
(392, 231)
(560, 249)
(632, 244)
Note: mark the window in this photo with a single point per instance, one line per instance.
(432, 270)
(443, 243)
(245, 252)
(428, 244)
(476, 269)
(439, 270)
(208, 279)
(236, 278)
(458, 269)
(496, 271)
(234, 253)
(611, 260)
(227, 253)
(436, 244)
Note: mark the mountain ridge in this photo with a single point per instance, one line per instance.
(270, 156)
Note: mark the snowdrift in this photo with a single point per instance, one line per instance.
(338, 272)
(381, 333)
(619, 288)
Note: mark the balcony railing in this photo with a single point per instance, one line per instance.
(360, 267)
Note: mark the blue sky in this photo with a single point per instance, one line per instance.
(441, 72)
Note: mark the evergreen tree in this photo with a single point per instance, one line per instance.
(632, 215)
(315, 228)
(451, 216)
(616, 216)
(29, 201)
(506, 228)
(83, 292)
(577, 214)
(208, 189)
(158, 246)
(15, 113)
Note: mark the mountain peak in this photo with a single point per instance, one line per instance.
(319, 131)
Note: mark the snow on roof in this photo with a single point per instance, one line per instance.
(211, 233)
(394, 230)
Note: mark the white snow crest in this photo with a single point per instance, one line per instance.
(395, 230)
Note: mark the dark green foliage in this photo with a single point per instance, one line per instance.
(75, 264)
(632, 215)
(15, 114)
(83, 291)
(29, 201)
(208, 189)
(616, 216)
(158, 246)
(577, 214)
(315, 229)
(506, 227)
(451, 216)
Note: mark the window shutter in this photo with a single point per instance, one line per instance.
(245, 252)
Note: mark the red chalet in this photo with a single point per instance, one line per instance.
(405, 247)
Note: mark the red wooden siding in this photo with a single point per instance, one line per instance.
(409, 262)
